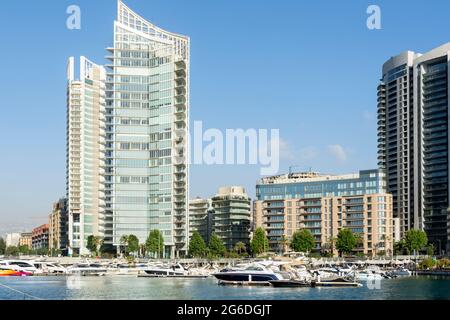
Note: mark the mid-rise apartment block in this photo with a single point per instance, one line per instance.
(59, 227)
(413, 132)
(26, 240)
(40, 237)
(12, 239)
(232, 215)
(200, 218)
(227, 214)
(325, 204)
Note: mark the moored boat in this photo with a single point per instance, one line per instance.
(251, 273)
(289, 283)
(6, 272)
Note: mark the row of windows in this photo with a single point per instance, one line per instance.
(141, 79)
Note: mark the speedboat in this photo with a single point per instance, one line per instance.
(47, 267)
(402, 272)
(165, 270)
(251, 273)
(20, 265)
(87, 269)
(6, 272)
(368, 275)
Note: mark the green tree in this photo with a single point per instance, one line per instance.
(216, 246)
(427, 263)
(93, 244)
(155, 243)
(24, 250)
(2, 246)
(124, 243)
(240, 247)
(197, 246)
(284, 242)
(302, 241)
(430, 249)
(12, 251)
(415, 240)
(259, 243)
(399, 247)
(346, 241)
(133, 243)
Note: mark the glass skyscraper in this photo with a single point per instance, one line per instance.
(145, 155)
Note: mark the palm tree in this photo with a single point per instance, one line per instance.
(124, 243)
(240, 247)
(284, 243)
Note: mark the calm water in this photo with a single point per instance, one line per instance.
(133, 288)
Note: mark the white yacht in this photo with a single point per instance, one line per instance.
(49, 268)
(402, 272)
(87, 269)
(20, 265)
(162, 270)
(252, 273)
(365, 275)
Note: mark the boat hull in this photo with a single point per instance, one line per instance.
(243, 277)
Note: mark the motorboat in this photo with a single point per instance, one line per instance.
(7, 272)
(165, 270)
(87, 269)
(367, 275)
(125, 269)
(402, 272)
(293, 283)
(20, 265)
(49, 268)
(251, 273)
(335, 282)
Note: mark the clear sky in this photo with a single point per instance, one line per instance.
(308, 68)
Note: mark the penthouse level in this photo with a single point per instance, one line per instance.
(316, 185)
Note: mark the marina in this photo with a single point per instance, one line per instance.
(133, 288)
(278, 275)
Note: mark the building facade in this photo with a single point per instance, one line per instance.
(12, 239)
(325, 204)
(40, 237)
(147, 103)
(85, 154)
(396, 137)
(232, 215)
(413, 140)
(26, 240)
(59, 227)
(200, 218)
(127, 139)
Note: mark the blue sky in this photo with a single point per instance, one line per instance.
(308, 68)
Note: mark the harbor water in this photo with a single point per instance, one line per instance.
(133, 288)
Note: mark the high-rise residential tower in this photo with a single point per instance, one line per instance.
(85, 153)
(431, 90)
(127, 156)
(413, 132)
(147, 104)
(396, 136)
